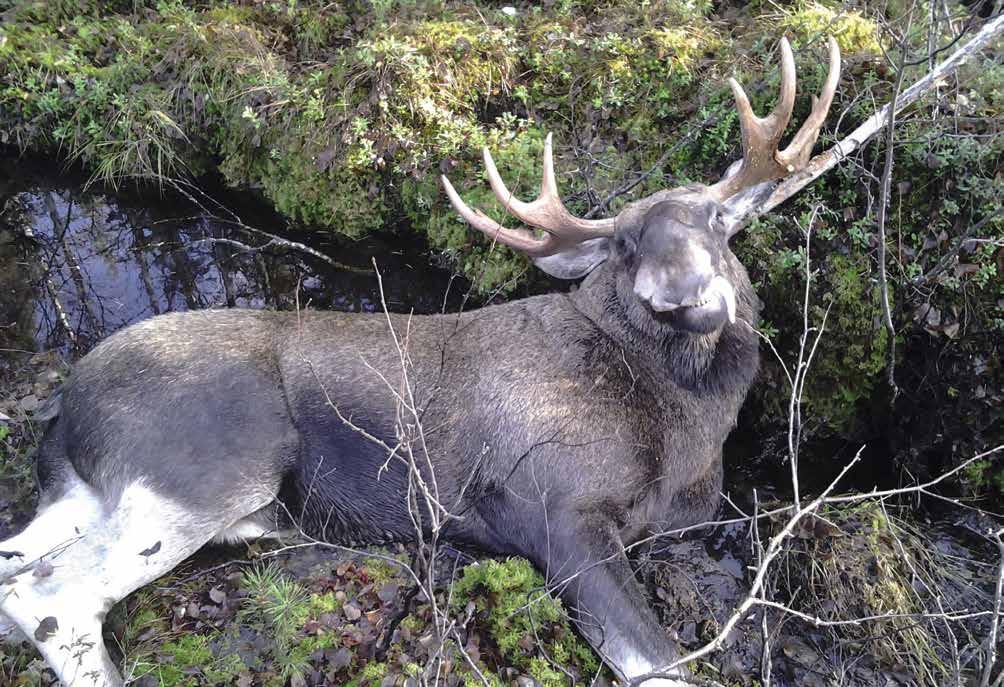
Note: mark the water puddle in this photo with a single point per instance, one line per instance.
(78, 265)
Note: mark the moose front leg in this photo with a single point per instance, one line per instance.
(584, 561)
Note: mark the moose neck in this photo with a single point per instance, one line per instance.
(693, 361)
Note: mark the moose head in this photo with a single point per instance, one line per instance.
(671, 248)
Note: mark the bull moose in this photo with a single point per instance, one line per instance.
(564, 426)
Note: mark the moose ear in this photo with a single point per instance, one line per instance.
(736, 209)
(577, 261)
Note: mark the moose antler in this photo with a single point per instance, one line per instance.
(762, 161)
(547, 212)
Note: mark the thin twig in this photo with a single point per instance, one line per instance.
(991, 657)
(883, 207)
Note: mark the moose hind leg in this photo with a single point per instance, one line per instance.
(79, 557)
(584, 561)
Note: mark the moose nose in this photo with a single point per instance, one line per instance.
(693, 287)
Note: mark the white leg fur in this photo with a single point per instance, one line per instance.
(250, 529)
(98, 556)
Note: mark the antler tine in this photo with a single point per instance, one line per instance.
(796, 155)
(762, 161)
(546, 212)
(520, 239)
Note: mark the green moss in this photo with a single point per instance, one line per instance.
(381, 571)
(855, 33)
(511, 595)
(370, 675)
(177, 661)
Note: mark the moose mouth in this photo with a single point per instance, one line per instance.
(717, 298)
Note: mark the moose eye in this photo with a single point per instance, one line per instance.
(626, 244)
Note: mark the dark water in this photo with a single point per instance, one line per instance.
(78, 265)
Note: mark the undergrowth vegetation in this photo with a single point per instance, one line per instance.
(866, 561)
(265, 626)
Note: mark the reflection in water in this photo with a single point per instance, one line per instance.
(88, 265)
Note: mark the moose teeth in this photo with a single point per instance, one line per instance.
(721, 286)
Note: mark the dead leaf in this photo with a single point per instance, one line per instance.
(352, 611)
(46, 628)
(152, 550)
(217, 595)
(42, 569)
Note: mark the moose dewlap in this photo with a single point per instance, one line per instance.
(560, 428)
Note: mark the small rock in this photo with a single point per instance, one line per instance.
(352, 611)
(341, 659)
